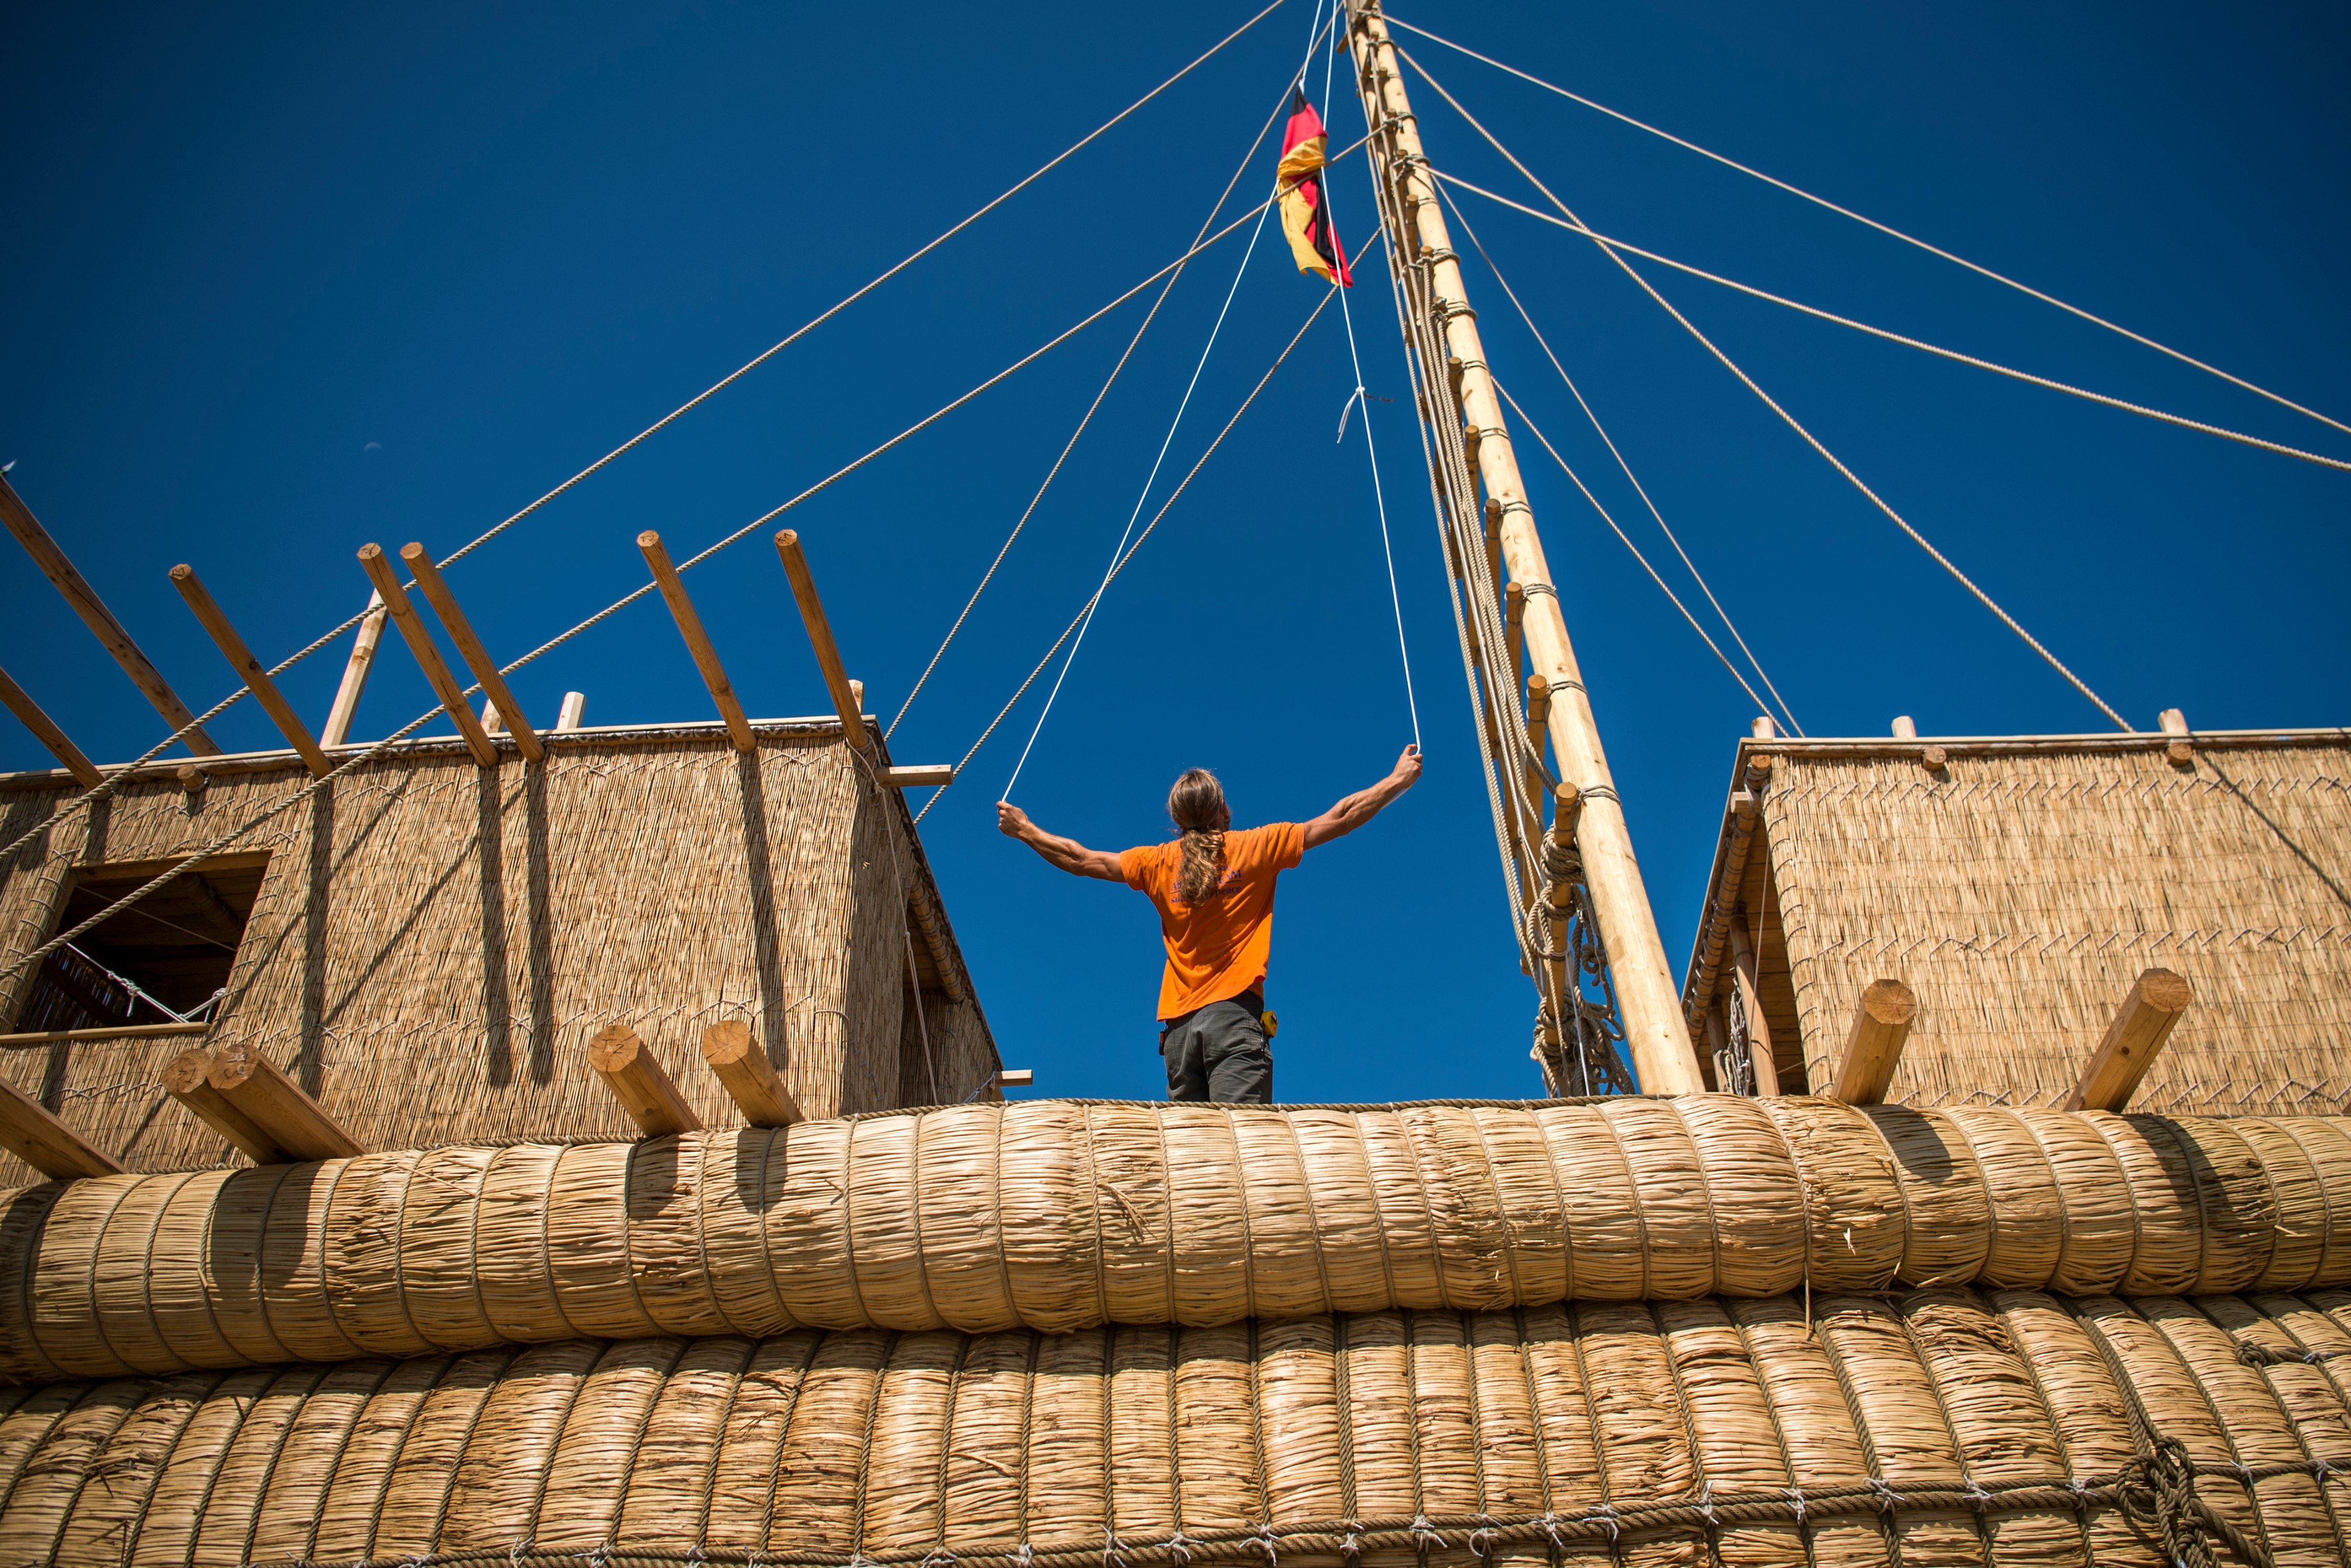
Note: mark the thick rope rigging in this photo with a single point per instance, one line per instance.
(1517, 826)
(1769, 402)
(1954, 355)
(1640, 489)
(123, 775)
(17, 966)
(1371, 448)
(1886, 229)
(1617, 530)
(1120, 565)
(1118, 552)
(1091, 408)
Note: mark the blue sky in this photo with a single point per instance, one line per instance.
(283, 280)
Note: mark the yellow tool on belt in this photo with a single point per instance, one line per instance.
(1272, 1024)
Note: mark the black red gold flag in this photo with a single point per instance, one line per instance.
(1305, 213)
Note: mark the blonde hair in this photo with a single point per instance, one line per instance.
(1196, 804)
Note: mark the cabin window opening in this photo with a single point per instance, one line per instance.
(163, 959)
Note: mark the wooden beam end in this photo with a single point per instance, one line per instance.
(638, 1080)
(749, 1079)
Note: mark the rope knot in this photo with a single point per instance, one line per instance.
(1114, 1554)
(1603, 1516)
(1269, 1542)
(1887, 1497)
(1978, 1498)
(1706, 1502)
(515, 1552)
(1351, 1546)
(940, 1557)
(1550, 1523)
(1481, 1540)
(1180, 1544)
(1796, 1496)
(1426, 1531)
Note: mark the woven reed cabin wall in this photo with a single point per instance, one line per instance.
(428, 945)
(2022, 886)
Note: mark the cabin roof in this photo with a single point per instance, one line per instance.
(2022, 886)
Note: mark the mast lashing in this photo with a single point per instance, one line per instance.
(1469, 445)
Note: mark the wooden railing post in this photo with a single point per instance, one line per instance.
(637, 1079)
(819, 632)
(1873, 1045)
(697, 641)
(277, 1106)
(470, 649)
(248, 668)
(28, 1132)
(428, 656)
(100, 621)
(2136, 1033)
(45, 729)
(748, 1077)
(355, 672)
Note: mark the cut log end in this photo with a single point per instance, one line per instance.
(1890, 1002)
(2163, 989)
(724, 1044)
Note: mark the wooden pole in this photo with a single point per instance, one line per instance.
(276, 1105)
(428, 654)
(248, 669)
(187, 1079)
(1514, 626)
(1566, 818)
(95, 615)
(697, 643)
(1750, 1000)
(638, 1082)
(820, 630)
(2137, 1030)
(113, 1031)
(747, 1076)
(1872, 1047)
(1905, 727)
(355, 672)
(1655, 1030)
(44, 730)
(469, 648)
(919, 776)
(575, 708)
(1538, 723)
(28, 1132)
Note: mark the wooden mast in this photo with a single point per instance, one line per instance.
(1650, 1003)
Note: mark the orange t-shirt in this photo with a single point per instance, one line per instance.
(1218, 947)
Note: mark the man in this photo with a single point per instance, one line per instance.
(1214, 888)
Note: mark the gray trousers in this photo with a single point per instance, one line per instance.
(1219, 1052)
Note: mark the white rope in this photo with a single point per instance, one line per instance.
(1091, 408)
(1769, 402)
(1118, 555)
(216, 846)
(1370, 450)
(1120, 565)
(116, 781)
(1953, 354)
(1640, 489)
(1886, 229)
(1610, 521)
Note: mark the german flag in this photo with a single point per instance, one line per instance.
(1305, 215)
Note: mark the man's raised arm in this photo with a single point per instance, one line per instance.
(1066, 854)
(1364, 804)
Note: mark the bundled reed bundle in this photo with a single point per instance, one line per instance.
(1939, 1427)
(1059, 1216)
